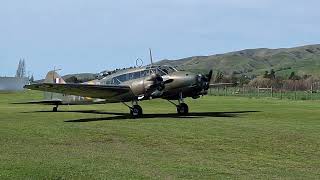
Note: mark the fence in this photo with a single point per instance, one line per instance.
(265, 92)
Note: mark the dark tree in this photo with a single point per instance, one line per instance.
(219, 77)
(31, 78)
(21, 71)
(272, 74)
(292, 75)
(266, 74)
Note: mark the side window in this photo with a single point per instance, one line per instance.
(131, 76)
(122, 78)
(144, 73)
(136, 75)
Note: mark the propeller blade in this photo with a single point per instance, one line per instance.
(209, 76)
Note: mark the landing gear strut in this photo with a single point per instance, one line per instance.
(135, 110)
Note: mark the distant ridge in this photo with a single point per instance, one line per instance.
(303, 60)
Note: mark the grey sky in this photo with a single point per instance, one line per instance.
(93, 35)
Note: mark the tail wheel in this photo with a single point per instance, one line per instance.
(136, 111)
(183, 109)
(55, 109)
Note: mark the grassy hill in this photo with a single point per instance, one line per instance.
(303, 60)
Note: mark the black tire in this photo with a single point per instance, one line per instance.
(136, 111)
(183, 109)
(55, 109)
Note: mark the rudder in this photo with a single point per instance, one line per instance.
(54, 77)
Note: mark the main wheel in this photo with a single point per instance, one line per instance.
(55, 109)
(136, 111)
(183, 109)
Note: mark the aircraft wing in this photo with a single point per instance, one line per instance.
(109, 92)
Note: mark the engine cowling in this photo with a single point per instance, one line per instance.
(203, 82)
(149, 87)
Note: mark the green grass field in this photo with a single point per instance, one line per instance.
(224, 137)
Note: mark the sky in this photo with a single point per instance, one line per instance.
(95, 35)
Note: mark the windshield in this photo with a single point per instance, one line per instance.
(161, 70)
(164, 70)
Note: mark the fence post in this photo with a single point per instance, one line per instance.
(295, 90)
(243, 93)
(311, 91)
(226, 90)
(271, 92)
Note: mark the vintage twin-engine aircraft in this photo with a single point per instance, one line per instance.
(130, 85)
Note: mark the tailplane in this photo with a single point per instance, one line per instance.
(54, 78)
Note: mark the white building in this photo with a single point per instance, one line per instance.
(12, 83)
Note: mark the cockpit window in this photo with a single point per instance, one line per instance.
(164, 70)
(120, 79)
(135, 75)
(161, 70)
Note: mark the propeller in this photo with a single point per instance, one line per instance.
(158, 85)
(209, 76)
(203, 81)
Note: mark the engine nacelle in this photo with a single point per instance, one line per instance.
(151, 86)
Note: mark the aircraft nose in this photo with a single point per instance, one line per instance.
(180, 80)
(203, 81)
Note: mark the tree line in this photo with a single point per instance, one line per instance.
(270, 79)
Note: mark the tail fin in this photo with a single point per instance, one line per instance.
(54, 77)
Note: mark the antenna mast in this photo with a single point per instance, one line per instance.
(151, 59)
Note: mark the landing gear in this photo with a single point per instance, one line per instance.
(135, 110)
(55, 109)
(182, 109)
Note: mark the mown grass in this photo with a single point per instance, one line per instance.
(225, 137)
